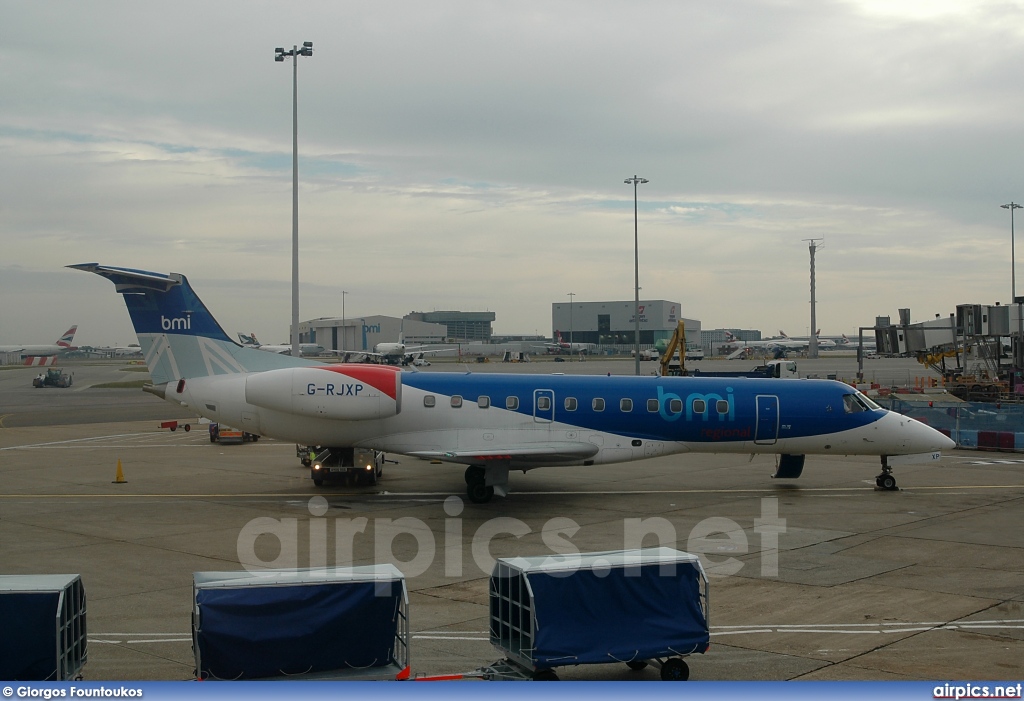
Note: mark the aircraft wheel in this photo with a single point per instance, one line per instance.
(474, 473)
(887, 482)
(479, 493)
(636, 665)
(545, 675)
(674, 670)
(318, 483)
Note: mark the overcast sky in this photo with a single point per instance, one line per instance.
(471, 156)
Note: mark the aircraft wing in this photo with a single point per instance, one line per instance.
(535, 455)
(415, 350)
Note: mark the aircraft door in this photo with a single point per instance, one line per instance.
(766, 431)
(543, 405)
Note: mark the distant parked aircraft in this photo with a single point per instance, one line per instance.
(59, 346)
(304, 348)
(869, 345)
(561, 344)
(798, 343)
(401, 354)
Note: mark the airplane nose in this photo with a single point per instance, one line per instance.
(921, 438)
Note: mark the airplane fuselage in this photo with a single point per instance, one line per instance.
(497, 422)
(575, 419)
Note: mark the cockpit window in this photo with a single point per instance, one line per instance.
(853, 403)
(867, 401)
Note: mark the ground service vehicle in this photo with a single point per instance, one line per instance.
(219, 433)
(774, 368)
(349, 464)
(52, 378)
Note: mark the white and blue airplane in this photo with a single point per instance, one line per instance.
(494, 423)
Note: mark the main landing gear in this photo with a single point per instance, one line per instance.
(886, 480)
(476, 485)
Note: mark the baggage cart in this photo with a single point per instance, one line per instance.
(330, 623)
(634, 607)
(42, 627)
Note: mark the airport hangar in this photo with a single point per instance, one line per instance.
(362, 333)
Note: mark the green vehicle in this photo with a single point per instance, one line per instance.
(52, 378)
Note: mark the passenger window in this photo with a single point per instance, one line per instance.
(625, 405)
(512, 403)
(544, 403)
(699, 406)
(570, 403)
(456, 401)
(429, 400)
(652, 405)
(483, 402)
(723, 406)
(675, 406)
(597, 404)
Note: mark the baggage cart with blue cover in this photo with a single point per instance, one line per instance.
(636, 607)
(330, 623)
(43, 633)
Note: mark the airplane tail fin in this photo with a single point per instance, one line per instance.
(179, 337)
(69, 336)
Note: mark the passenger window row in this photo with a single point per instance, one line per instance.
(675, 406)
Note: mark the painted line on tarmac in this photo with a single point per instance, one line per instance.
(70, 441)
(2, 417)
(880, 628)
(405, 495)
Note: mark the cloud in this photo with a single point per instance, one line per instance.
(471, 155)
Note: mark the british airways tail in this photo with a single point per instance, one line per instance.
(179, 337)
(68, 338)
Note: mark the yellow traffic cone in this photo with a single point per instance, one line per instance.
(119, 479)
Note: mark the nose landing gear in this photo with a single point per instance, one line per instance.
(886, 480)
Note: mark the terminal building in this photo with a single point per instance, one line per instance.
(460, 326)
(614, 323)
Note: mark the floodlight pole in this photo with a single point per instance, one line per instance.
(636, 272)
(812, 344)
(279, 55)
(570, 295)
(1017, 361)
(343, 329)
(1013, 257)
